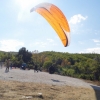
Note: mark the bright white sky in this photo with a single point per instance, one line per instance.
(20, 28)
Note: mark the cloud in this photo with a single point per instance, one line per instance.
(98, 44)
(96, 40)
(22, 16)
(23, 4)
(77, 19)
(40, 43)
(91, 50)
(24, 8)
(80, 42)
(97, 32)
(10, 45)
(50, 40)
(43, 43)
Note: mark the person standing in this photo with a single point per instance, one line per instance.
(0, 64)
(51, 70)
(36, 68)
(7, 65)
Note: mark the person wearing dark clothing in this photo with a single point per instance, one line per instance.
(36, 68)
(51, 70)
(7, 65)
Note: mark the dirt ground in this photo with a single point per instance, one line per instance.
(14, 90)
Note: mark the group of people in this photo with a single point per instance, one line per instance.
(8, 65)
(51, 69)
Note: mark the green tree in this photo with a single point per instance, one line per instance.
(24, 55)
(46, 65)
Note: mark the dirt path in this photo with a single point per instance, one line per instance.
(20, 85)
(41, 77)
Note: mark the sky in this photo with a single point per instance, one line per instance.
(20, 28)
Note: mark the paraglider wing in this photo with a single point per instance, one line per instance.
(56, 19)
